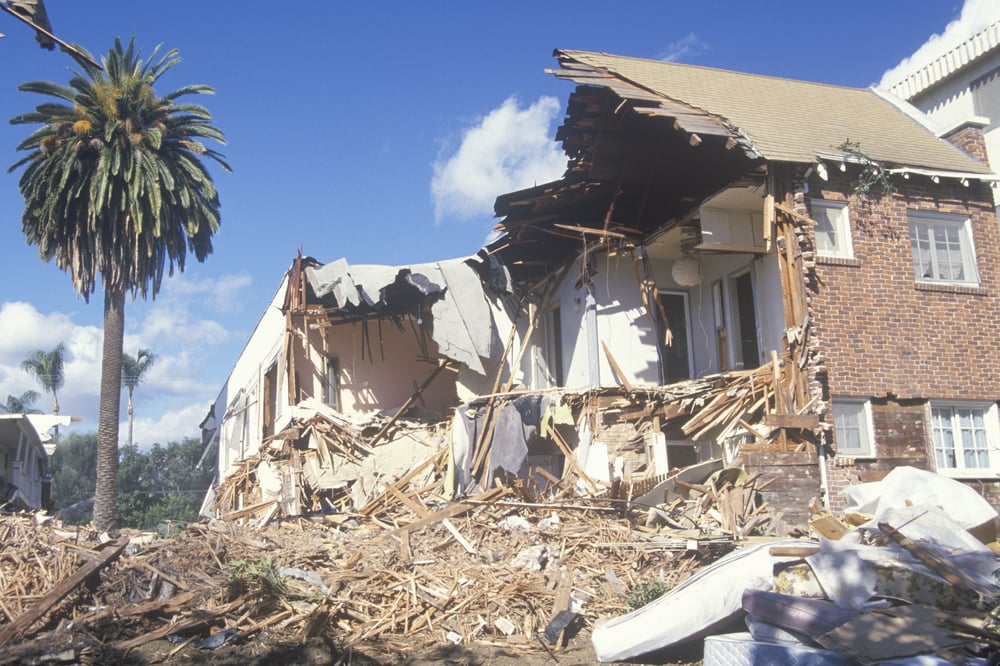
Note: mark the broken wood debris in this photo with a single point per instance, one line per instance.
(483, 573)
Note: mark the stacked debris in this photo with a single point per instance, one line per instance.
(322, 463)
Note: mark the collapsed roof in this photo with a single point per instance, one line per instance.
(649, 140)
(456, 293)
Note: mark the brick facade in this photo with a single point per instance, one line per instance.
(900, 343)
(885, 335)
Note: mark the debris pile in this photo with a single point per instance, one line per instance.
(907, 574)
(488, 571)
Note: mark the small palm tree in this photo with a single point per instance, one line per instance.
(133, 369)
(47, 368)
(114, 186)
(22, 404)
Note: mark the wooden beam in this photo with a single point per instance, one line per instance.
(802, 421)
(32, 615)
(617, 368)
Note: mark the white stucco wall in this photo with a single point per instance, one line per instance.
(631, 335)
(953, 102)
(260, 352)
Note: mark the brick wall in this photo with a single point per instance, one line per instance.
(901, 439)
(970, 139)
(884, 337)
(882, 334)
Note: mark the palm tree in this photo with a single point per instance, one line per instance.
(47, 368)
(133, 368)
(21, 404)
(115, 185)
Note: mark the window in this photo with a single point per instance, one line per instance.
(964, 437)
(942, 249)
(853, 431)
(833, 229)
(331, 383)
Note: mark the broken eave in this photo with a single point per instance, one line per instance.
(631, 173)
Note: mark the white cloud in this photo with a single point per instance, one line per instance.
(220, 293)
(171, 426)
(976, 15)
(179, 386)
(510, 148)
(24, 330)
(686, 47)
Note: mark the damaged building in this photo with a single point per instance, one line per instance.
(734, 270)
(720, 222)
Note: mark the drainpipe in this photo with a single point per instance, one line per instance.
(593, 357)
(824, 482)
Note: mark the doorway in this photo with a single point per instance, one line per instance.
(746, 347)
(675, 358)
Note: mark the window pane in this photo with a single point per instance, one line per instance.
(832, 228)
(961, 437)
(944, 443)
(920, 242)
(851, 428)
(942, 250)
(826, 235)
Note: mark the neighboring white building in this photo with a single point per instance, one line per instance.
(960, 87)
(24, 458)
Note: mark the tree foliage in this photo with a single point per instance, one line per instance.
(22, 404)
(73, 467)
(161, 484)
(47, 369)
(155, 486)
(133, 371)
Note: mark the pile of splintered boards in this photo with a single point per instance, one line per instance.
(400, 469)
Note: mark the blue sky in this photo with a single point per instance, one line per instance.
(380, 132)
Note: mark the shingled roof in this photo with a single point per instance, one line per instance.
(778, 119)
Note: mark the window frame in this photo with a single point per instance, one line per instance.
(991, 429)
(841, 228)
(967, 247)
(331, 382)
(866, 426)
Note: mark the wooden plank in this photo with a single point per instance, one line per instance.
(570, 457)
(617, 368)
(411, 504)
(450, 511)
(29, 617)
(462, 541)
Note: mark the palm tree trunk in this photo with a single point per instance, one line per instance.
(130, 418)
(106, 494)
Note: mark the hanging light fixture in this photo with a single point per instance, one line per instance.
(686, 271)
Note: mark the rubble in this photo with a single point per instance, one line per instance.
(907, 583)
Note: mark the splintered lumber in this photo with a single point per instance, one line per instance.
(937, 562)
(451, 511)
(22, 623)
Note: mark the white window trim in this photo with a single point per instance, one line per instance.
(992, 426)
(841, 227)
(968, 246)
(867, 427)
